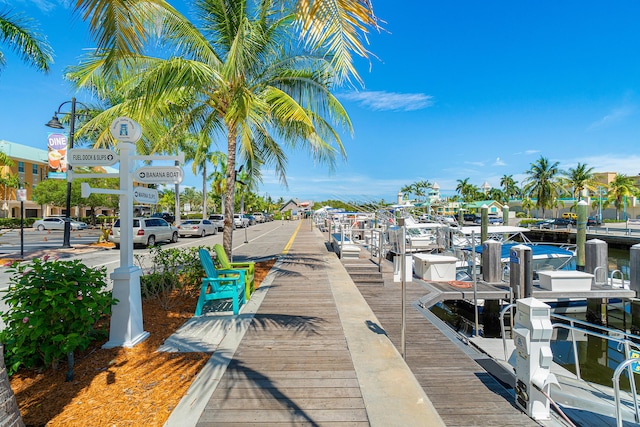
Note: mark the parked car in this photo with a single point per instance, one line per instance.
(554, 223)
(146, 232)
(563, 222)
(259, 217)
(197, 227)
(469, 217)
(217, 220)
(164, 215)
(570, 215)
(592, 221)
(251, 218)
(496, 220)
(240, 221)
(57, 223)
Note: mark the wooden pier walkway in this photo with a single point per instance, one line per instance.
(304, 359)
(462, 392)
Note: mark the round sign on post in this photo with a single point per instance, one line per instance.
(125, 130)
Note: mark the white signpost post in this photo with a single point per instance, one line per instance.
(126, 329)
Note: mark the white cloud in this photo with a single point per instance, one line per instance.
(628, 164)
(615, 116)
(390, 101)
(479, 164)
(499, 162)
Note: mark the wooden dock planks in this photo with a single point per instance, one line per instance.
(461, 391)
(293, 366)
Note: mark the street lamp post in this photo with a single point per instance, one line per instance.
(55, 124)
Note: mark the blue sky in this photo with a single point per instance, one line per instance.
(457, 89)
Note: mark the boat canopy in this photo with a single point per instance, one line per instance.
(548, 250)
(494, 229)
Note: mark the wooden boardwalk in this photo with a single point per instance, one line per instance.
(463, 393)
(293, 366)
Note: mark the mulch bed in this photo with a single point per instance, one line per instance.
(120, 386)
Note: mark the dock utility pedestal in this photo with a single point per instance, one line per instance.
(532, 337)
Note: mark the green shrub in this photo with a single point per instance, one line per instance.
(526, 222)
(15, 222)
(54, 307)
(171, 269)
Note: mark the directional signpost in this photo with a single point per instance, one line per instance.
(126, 329)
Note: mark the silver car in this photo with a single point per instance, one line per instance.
(240, 221)
(218, 220)
(146, 232)
(57, 223)
(197, 227)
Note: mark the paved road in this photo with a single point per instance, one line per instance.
(256, 242)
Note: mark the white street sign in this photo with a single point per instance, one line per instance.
(145, 195)
(158, 175)
(92, 157)
(125, 129)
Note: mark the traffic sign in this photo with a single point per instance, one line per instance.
(92, 157)
(159, 175)
(145, 195)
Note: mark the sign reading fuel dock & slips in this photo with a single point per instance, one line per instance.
(92, 157)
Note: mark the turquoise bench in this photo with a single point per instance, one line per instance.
(219, 285)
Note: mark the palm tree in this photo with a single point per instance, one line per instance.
(579, 179)
(527, 204)
(15, 31)
(337, 28)
(509, 186)
(35, 51)
(468, 191)
(248, 82)
(620, 188)
(498, 195)
(542, 184)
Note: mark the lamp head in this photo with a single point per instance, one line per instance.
(54, 123)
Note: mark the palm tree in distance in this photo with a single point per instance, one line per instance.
(579, 179)
(19, 34)
(509, 186)
(542, 183)
(469, 192)
(620, 188)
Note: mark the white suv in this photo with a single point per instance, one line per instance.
(240, 221)
(258, 216)
(146, 232)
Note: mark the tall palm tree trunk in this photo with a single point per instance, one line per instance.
(9, 411)
(227, 237)
(204, 190)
